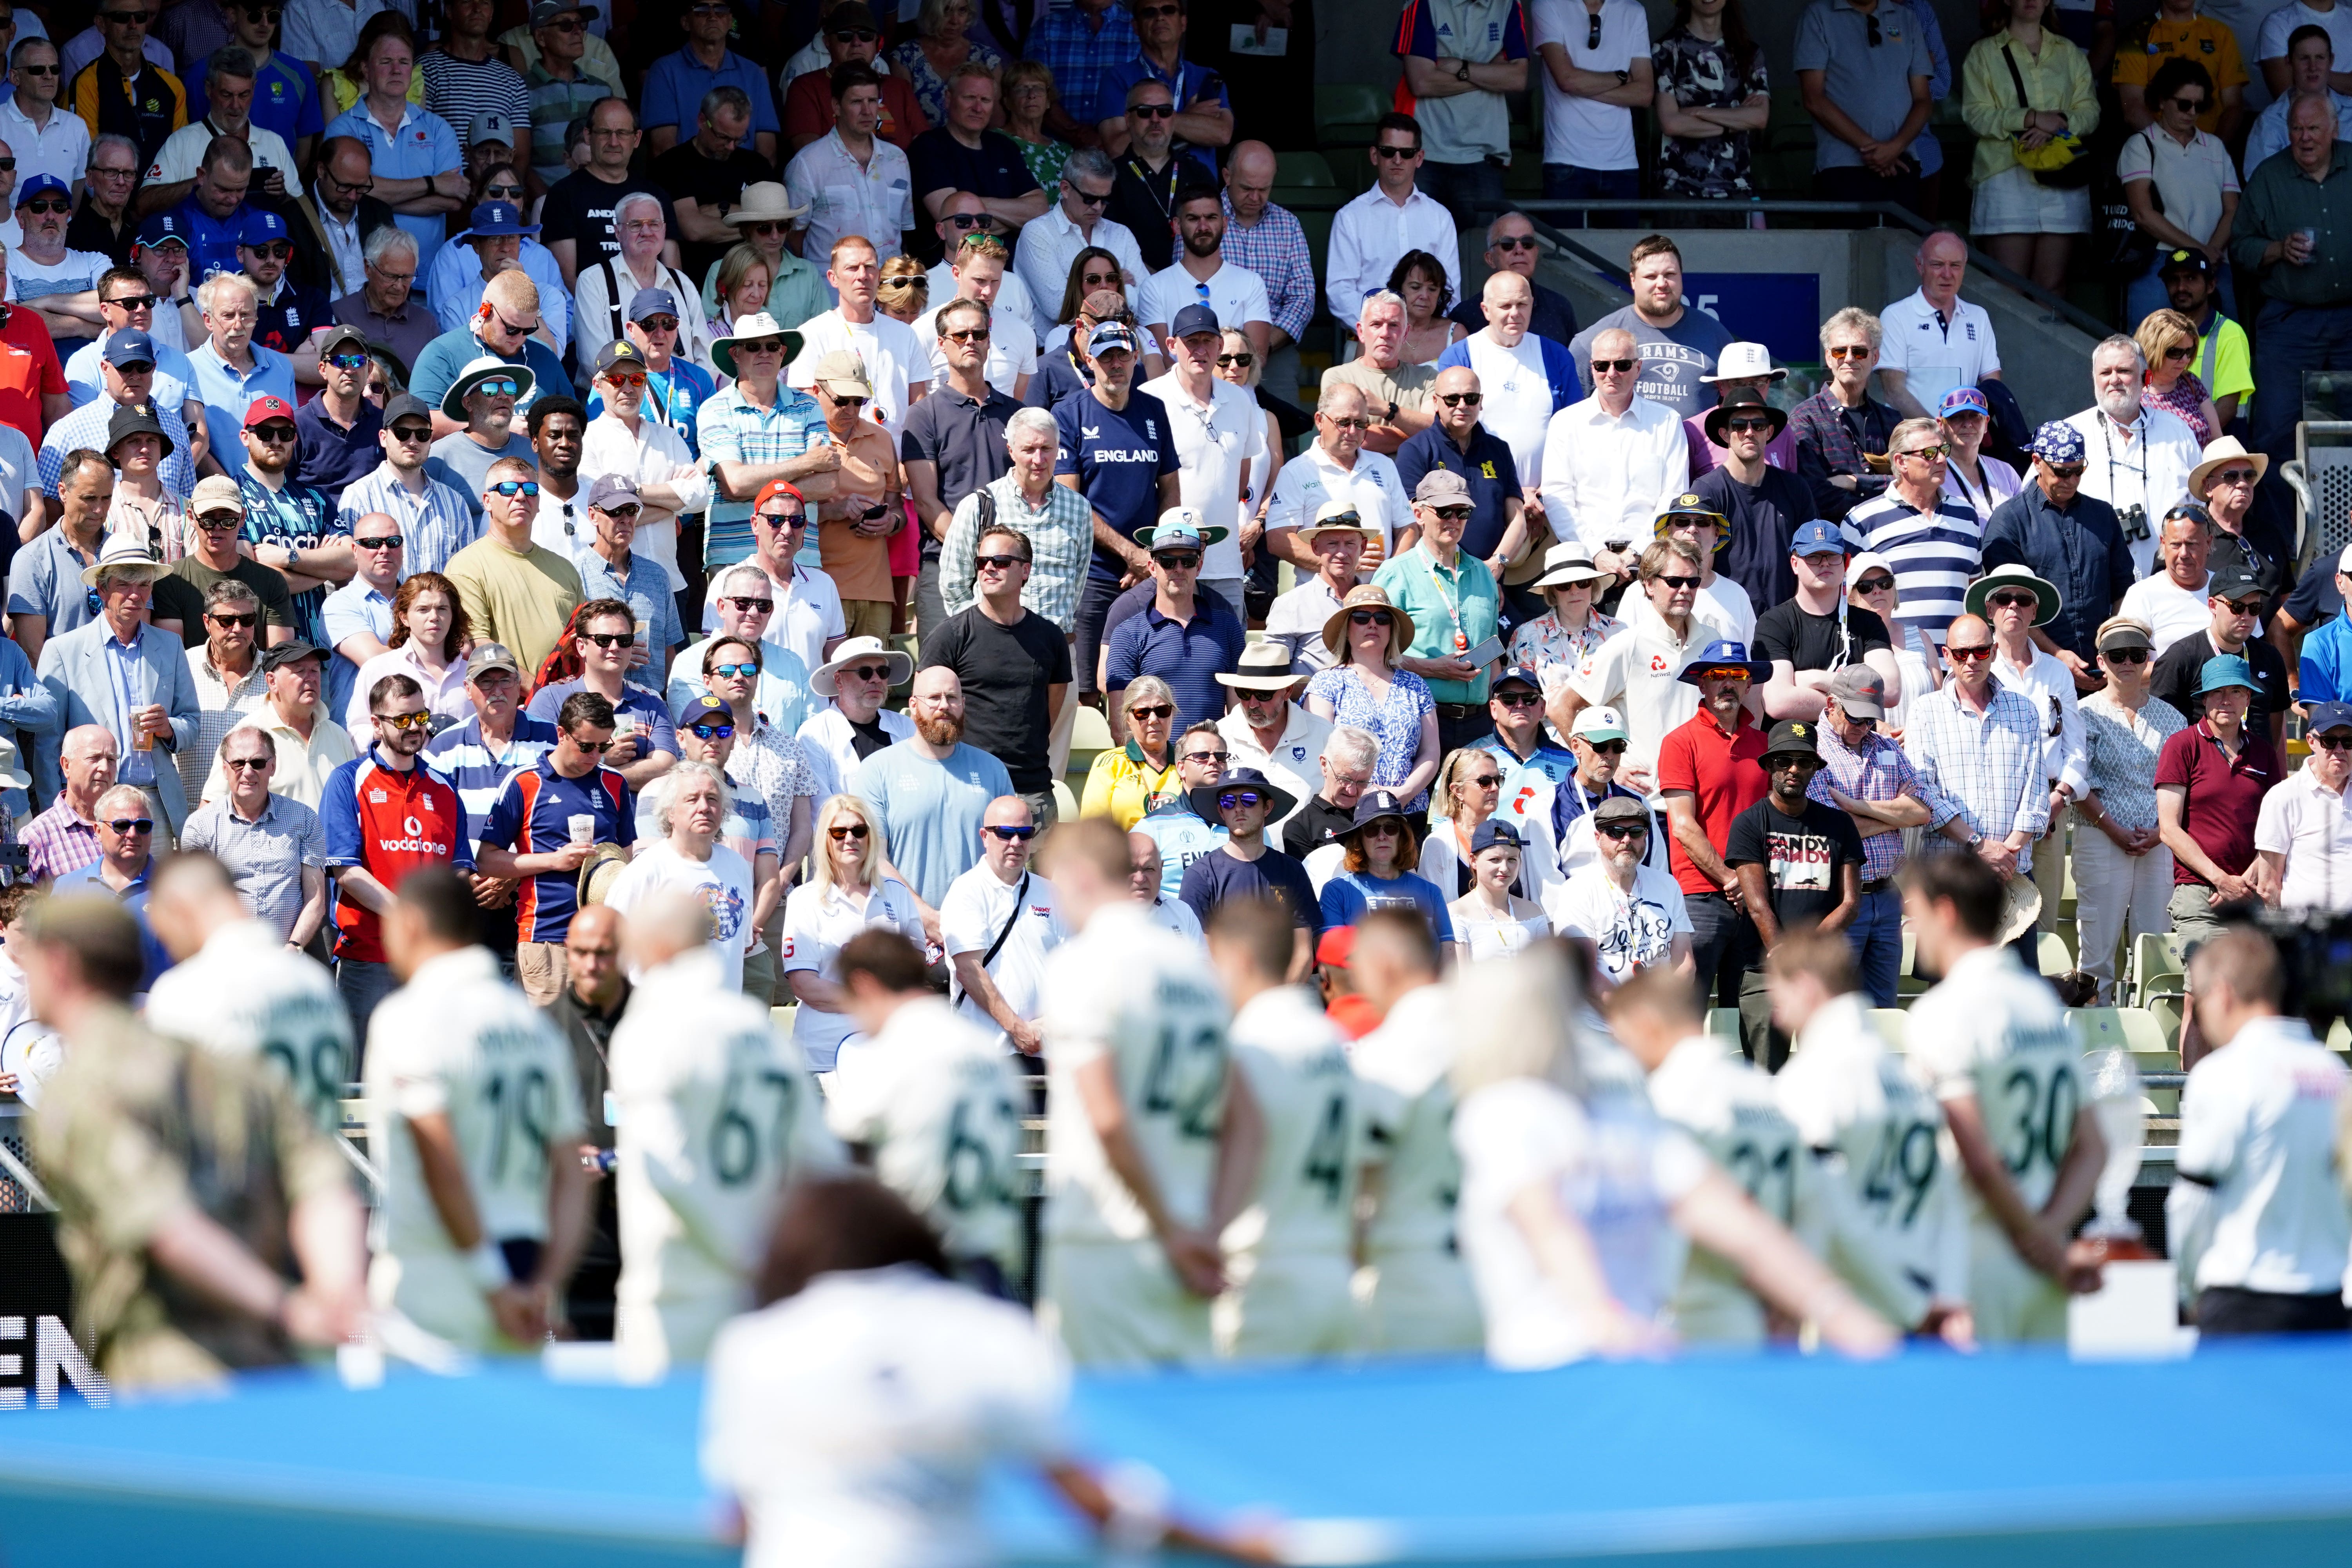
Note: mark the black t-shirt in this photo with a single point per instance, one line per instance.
(579, 208)
(686, 175)
(1144, 199)
(2178, 672)
(1316, 823)
(90, 231)
(1763, 521)
(938, 162)
(2316, 599)
(1005, 671)
(1804, 857)
(869, 737)
(1810, 642)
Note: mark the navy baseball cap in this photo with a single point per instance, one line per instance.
(129, 346)
(1520, 673)
(261, 225)
(611, 488)
(2326, 716)
(647, 303)
(43, 185)
(703, 710)
(163, 228)
(1195, 318)
(1817, 538)
(499, 218)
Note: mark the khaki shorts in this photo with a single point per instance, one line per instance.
(867, 618)
(541, 969)
(1118, 1304)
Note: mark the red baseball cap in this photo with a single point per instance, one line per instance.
(773, 489)
(268, 408)
(1336, 947)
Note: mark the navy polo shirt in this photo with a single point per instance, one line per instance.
(287, 322)
(1117, 456)
(962, 439)
(995, 169)
(1217, 876)
(1486, 467)
(328, 456)
(1188, 654)
(1058, 376)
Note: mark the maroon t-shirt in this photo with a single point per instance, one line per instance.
(2223, 797)
(1725, 773)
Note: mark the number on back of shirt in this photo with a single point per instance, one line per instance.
(318, 1067)
(1770, 1178)
(740, 1145)
(984, 1152)
(1901, 1171)
(2035, 1122)
(1327, 1155)
(1187, 1077)
(521, 1105)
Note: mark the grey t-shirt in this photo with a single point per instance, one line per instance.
(1871, 85)
(1673, 358)
(463, 463)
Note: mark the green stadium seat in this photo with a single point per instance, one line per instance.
(1066, 802)
(2053, 953)
(1347, 112)
(2102, 1028)
(2155, 968)
(1302, 171)
(1890, 1022)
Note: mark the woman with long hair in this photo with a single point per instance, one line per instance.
(1366, 690)
(1238, 363)
(2167, 342)
(1092, 271)
(430, 633)
(1713, 101)
(1469, 790)
(1419, 278)
(1490, 921)
(850, 889)
(942, 41)
(1375, 869)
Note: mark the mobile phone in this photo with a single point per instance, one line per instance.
(1485, 653)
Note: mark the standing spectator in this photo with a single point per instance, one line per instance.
(213, 557)
(929, 62)
(930, 791)
(65, 838)
(1511, 247)
(1597, 72)
(606, 286)
(2020, 89)
(2171, 604)
(645, 744)
(1637, 671)
(1221, 446)
(331, 223)
(758, 433)
(2167, 342)
(1204, 119)
(475, 758)
(2324, 660)
(2224, 359)
(1865, 774)
(1337, 539)
(123, 91)
(2187, 170)
(338, 432)
(1814, 635)
(290, 527)
(1397, 394)
(1744, 373)
(1013, 666)
(1455, 604)
(46, 138)
(1678, 346)
(962, 437)
(1079, 43)
(1349, 758)
(108, 223)
(1370, 233)
(1554, 644)
(1143, 189)
(126, 840)
(385, 815)
(2247, 535)
(1709, 770)
(233, 372)
(1119, 451)
(516, 593)
(1631, 913)
(414, 153)
(2015, 602)
(425, 641)
(1841, 422)
(228, 88)
(975, 272)
(1457, 442)
(46, 597)
(2234, 604)
(1979, 746)
(213, 217)
(1761, 503)
(2310, 65)
(1935, 342)
(2302, 862)
(688, 78)
(854, 524)
(2138, 457)
(1524, 379)
(2292, 204)
(536, 834)
(311, 739)
(465, 80)
(2123, 872)
(1867, 76)
(1934, 540)
(2211, 781)
(780, 681)
(1713, 98)
(804, 609)
(132, 677)
(996, 925)
(1367, 688)
(850, 182)
(1246, 866)
(2177, 32)
(2066, 538)
(610, 569)
(436, 521)
(1182, 635)
(581, 211)
(273, 846)
(1798, 864)
(1268, 728)
(1127, 781)
(1533, 768)
(127, 379)
(961, 153)
(850, 35)
(1460, 75)
(1265, 238)
(898, 363)
(1051, 242)
(383, 307)
(1983, 482)
(1615, 460)
(228, 677)
(560, 88)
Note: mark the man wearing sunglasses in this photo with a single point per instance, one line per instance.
(1512, 247)
(2247, 535)
(1204, 119)
(126, 302)
(1638, 669)
(335, 216)
(2225, 360)
(475, 759)
(485, 396)
(1979, 745)
(433, 520)
(119, 77)
(1245, 865)
(496, 240)
(620, 444)
(2067, 538)
(1458, 441)
(2136, 455)
(505, 327)
(1613, 461)
(45, 139)
(228, 94)
(855, 723)
(216, 529)
(339, 434)
(1597, 745)
(1013, 665)
(126, 843)
(1837, 427)
(59, 285)
(851, 36)
(2234, 606)
(291, 528)
(1372, 231)
(1221, 446)
(516, 591)
(1933, 537)
(644, 745)
(1078, 218)
(2302, 860)
(963, 216)
(998, 924)
(610, 568)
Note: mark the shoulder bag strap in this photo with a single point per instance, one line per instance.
(2016, 77)
(612, 297)
(1002, 934)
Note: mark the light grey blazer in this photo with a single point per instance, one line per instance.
(73, 666)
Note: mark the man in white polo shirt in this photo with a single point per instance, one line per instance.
(1220, 442)
(1337, 468)
(998, 921)
(1935, 341)
(2302, 845)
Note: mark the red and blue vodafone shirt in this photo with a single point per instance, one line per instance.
(388, 823)
(532, 816)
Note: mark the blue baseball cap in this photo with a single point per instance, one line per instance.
(2326, 716)
(1179, 529)
(1520, 673)
(1192, 320)
(162, 229)
(1493, 831)
(1965, 400)
(129, 346)
(499, 219)
(1719, 654)
(42, 186)
(1817, 538)
(2224, 670)
(260, 228)
(2057, 442)
(647, 303)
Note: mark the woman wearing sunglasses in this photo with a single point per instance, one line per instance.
(429, 628)
(1379, 849)
(1469, 791)
(850, 889)
(2168, 340)
(1127, 781)
(691, 804)
(2123, 872)
(1367, 634)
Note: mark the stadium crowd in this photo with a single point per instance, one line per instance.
(524, 559)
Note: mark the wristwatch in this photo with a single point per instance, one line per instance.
(1625, 77)
(1463, 74)
(1976, 840)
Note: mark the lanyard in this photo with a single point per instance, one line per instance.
(1451, 599)
(1166, 204)
(2107, 439)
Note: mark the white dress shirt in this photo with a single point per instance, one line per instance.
(2146, 463)
(1051, 242)
(1215, 442)
(2050, 686)
(655, 455)
(1607, 477)
(1370, 234)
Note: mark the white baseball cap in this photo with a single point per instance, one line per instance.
(1598, 722)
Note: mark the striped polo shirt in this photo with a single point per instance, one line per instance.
(1934, 555)
(478, 773)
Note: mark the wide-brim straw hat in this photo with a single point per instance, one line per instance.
(1367, 597)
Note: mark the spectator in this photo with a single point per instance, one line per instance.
(126, 379)
(1935, 540)
(1554, 644)
(331, 223)
(273, 847)
(975, 273)
(1531, 377)
(2190, 201)
(643, 746)
(1337, 541)
(2324, 660)
(65, 838)
(800, 612)
(1743, 372)
(1709, 770)
(46, 141)
(2272, 45)
(2235, 606)
(706, 735)
(961, 439)
(466, 81)
(1631, 915)
(126, 838)
(2307, 314)
(2167, 342)
(1379, 849)
(127, 301)
(610, 569)
(2177, 32)
(2310, 67)
(1418, 280)
(293, 529)
(1532, 767)
(1866, 77)
(1460, 89)
(358, 615)
(1597, 745)
(515, 592)
(1143, 189)
(1349, 759)
(762, 220)
(961, 153)
(1934, 341)
(475, 757)
(1453, 602)
(385, 815)
(745, 605)
(2224, 361)
(1246, 866)
(1841, 422)
(1979, 746)
(898, 363)
(2171, 603)
(1127, 470)
(2021, 89)
(1713, 96)
(850, 35)
(428, 635)
(1265, 238)
(1811, 638)
(212, 219)
(132, 678)
(122, 87)
(228, 91)
(1079, 43)
(1367, 688)
(228, 675)
(339, 433)
(136, 444)
(384, 307)
(310, 740)
(581, 209)
(1872, 588)
(45, 598)
(1185, 637)
(851, 889)
(435, 520)
(1051, 241)
(501, 329)
(563, 88)
(1368, 238)
(2247, 536)
(1678, 347)
(929, 61)
(1467, 794)
(1204, 119)
(1456, 442)
(766, 757)
(1721, 602)
(1221, 446)
(535, 831)
(1590, 94)
(606, 286)
(1267, 728)
(930, 791)
(1176, 833)
(2015, 602)
(2211, 781)
(1865, 775)
(1637, 670)
(1013, 666)
(1761, 502)
(758, 433)
(2066, 538)
(850, 182)
(2298, 857)
(1800, 868)
(414, 153)
(1490, 921)
(2123, 872)
(214, 556)
(1983, 483)
(997, 925)
(1613, 461)
(866, 506)
(1397, 392)
(704, 66)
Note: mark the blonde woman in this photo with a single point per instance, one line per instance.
(744, 279)
(849, 890)
(692, 805)
(1129, 780)
(1490, 921)
(905, 291)
(1469, 788)
(2168, 340)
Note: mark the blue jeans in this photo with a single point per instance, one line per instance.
(2288, 341)
(1567, 183)
(1877, 937)
(362, 985)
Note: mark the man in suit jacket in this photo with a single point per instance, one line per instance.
(333, 203)
(129, 679)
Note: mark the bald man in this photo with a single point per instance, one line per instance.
(504, 328)
(1457, 440)
(1526, 377)
(1511, 247)
(931, 791)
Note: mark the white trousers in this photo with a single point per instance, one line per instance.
(2118, 897)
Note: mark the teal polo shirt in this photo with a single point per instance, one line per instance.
(1444, 600)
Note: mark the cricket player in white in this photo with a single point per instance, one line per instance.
(237, 987)
(1700, 1084)
(1994, 1044)
(1415, 1297)
(1152, 1143)
(2256, 1217)
(1900, 1230)
(1291, 1248)
(474, 1119)
(716, 1112)
(938, 1102)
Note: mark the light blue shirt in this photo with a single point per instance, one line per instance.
(1182, 838)
(86, 426)
(228, 393)
(172, 376)
(422, 145)
(931, 812)
(31, 709)
(645, 588)
(433, 526)
(454, 288)
(127, 680)
(781, 695)
(356, 606)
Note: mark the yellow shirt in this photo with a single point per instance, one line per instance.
(2057, 78)
(522, 601)
(2210, 43)
(1123, 784)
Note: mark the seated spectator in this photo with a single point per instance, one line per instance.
(1380, 850)
(1374, 232)
(1511, 247)
(1596, 72)
(2171, 603)
(1812, 636)
(1630, 915)
(850, 34)
(1467, 794)
(1526, 378)
(1636, 670)
(1267, 728)
(1713, 96)
(1397, 390)
(2228, 633)
(2168, 342)
(1490, 921)
(1867, 80)
(2020, 88)
(1336, 541)
(2189, 199)
(1367, 688)
(1613, 461)
(1743, 374)
(1762, 503)
(1965, 415)
(1935, 541)
(1418, 280)
(2063, 537)
(1677, 343)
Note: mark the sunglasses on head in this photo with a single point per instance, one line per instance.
(710, 731)
(1011, 834)
(733, 672)
(846, 831)
(127, 826)
(512, 487)
(420, 719)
